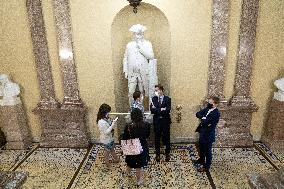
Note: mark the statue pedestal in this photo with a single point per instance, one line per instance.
(233, 129)
(12, 179)
(267, 181)
(273, 135)
(63, 127)
(15, 127)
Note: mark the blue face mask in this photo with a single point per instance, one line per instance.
(107, 115)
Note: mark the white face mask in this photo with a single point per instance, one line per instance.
(141, 98)
(156, 93)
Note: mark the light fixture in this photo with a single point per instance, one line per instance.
(134, 4)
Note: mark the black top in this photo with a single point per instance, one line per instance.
(142, 132)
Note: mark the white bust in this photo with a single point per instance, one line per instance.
(136, 59)
(9, 91)
(280, 85)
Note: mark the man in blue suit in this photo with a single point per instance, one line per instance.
(209, 118)
(161, 108)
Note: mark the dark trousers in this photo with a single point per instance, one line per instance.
(205, 154)
(162, 128)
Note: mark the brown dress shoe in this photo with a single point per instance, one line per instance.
(158, 158)
(202, 170)
(168, 157)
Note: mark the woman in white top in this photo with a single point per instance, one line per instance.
(106, 133)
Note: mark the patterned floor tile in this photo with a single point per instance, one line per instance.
(51, 167)
(178, 173)
(230, 166)
(276, 157)
(10, 158)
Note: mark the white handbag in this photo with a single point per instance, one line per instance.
(131, 146)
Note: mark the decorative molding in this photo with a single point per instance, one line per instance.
(134, 4)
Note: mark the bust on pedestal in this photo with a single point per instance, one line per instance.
(280, 85)
(274, 132)
(12, 117)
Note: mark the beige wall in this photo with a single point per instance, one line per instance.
(268, 59)
(17, 57)
(190, 29)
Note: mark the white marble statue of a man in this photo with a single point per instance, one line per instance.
(137, 55)
(280, 85)
(9, 91)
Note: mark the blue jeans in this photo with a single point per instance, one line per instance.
(206, 154)
(109, 146)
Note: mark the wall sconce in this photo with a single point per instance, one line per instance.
(134, 4)
(179, 114)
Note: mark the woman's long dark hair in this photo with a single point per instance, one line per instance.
(103, 110)
(137, 117)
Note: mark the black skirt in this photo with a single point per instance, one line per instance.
(138, 161)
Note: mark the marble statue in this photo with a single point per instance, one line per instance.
(9, 91)
(280, 85)
(139, 65)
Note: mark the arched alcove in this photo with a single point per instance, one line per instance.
(158, 32)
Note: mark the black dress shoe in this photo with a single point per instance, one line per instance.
(168, 157)
(158, 158)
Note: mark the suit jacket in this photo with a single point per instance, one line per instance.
(207, 126)
(156, 109)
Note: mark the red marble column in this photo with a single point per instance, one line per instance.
(234, 129)
(66, 53)
(40, 49)
(219, 46)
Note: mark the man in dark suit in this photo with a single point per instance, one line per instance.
(209, 118)
(161, 108)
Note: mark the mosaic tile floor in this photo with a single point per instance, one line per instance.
(51, 168)
(56, 168)
(230, 166)
(178, 173)
(10, 158)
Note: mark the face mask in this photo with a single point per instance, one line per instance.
(107, 115)
(156, 93)
(141, 99)
(209, 105)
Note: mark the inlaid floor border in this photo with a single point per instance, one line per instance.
(265, 156)
(80, 166)
(18, 164)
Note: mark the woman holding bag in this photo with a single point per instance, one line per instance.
(137, 129)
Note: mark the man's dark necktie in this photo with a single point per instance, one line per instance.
(160, 101)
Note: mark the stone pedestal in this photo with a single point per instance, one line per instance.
(233, 129)
(273, 135)
(12, 180)
(267, 181)
(15, 127)
(63, 127)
